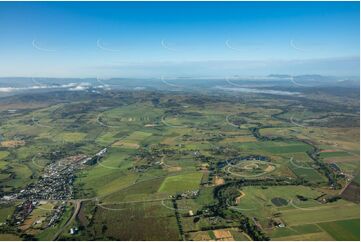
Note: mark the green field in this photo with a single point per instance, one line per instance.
(296, 230)
(5, 212)
(142, 190)
(308, 174)
(343, 229)
(319, 214)
(181, 183)
(3, 164)
(3, 154)
(334, 154)
(72, 136)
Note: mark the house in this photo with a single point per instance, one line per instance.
(73, 231)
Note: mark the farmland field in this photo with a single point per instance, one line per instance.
(343, 229)
(147, 221)
(181, 183)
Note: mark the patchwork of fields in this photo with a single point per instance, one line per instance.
(163, 166)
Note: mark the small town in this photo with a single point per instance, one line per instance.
(54, 186)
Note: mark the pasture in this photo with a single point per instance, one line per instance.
(343, 229)
(4, 154)
(181, 183)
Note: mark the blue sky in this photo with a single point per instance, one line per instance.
(64, 39)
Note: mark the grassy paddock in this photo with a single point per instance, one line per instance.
(343, 229)
(181, 183)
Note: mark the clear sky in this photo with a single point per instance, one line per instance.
(143, 39)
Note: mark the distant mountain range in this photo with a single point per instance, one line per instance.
(11, 85)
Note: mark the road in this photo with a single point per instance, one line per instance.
(70, 220)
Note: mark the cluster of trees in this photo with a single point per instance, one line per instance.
(323, 167)
(252, 230)
(226, 195)
(177, 215)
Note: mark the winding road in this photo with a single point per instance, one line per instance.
(71, 219)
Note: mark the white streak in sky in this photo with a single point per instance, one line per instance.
(168, 83)
(37, 47)
(102, 47)
(229, 46)
(293, 46)
(165, 46)
(232, 83)
(296, 83)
